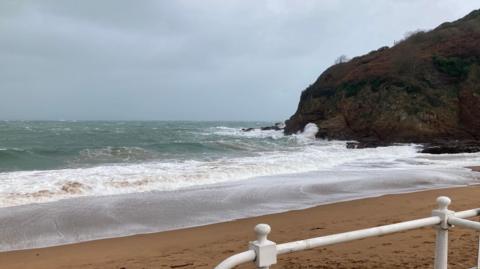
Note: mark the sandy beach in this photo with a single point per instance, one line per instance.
(206, 246)
(160, 134)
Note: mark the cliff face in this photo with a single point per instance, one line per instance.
(423, 89)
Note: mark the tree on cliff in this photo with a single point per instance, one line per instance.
(341, 59)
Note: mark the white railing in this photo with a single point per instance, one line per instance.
(264, 252)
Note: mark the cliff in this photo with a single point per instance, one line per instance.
(425, 88)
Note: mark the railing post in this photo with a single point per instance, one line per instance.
(265, 250)
(441, 244)
(478, 254)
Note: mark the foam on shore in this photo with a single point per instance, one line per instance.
(89, 218)
(24, 187)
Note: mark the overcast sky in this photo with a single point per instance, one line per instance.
(188, 60)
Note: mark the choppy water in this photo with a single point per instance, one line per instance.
(48, 161)
(67, 182)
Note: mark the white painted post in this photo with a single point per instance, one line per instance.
(478, 254)
(441, 244)
(265, 250)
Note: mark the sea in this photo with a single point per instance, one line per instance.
(72, 181)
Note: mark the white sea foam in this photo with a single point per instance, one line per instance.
(309, 131)
(329, 157)
(307, 136)
(115, 153)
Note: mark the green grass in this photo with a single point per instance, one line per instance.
(452, 66)
(352, 89)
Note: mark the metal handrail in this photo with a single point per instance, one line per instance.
(264, 252)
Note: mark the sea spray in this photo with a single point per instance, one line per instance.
(76, 159)
(309, 131)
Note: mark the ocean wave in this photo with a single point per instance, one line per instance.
(9, 154)
(12, 149)
(329, 156)
(305, 137)
(227, 154)
(114, 154)
(238, 132)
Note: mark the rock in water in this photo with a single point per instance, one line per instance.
(277, 127)
(423, 89)
(248, 129)
(452, 148)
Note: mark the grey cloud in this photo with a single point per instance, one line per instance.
(187, 60)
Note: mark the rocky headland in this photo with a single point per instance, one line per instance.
(425, 89)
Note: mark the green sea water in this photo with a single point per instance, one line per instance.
(45, 145)
(45, 161)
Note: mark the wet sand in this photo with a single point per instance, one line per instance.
(204, 247)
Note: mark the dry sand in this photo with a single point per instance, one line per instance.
(204, 247)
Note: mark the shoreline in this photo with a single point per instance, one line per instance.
(93, 218)
(205, 246)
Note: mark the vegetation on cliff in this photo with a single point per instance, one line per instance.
(425, 88)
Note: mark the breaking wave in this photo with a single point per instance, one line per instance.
(213, 154)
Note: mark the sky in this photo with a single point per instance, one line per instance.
(188, 60)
